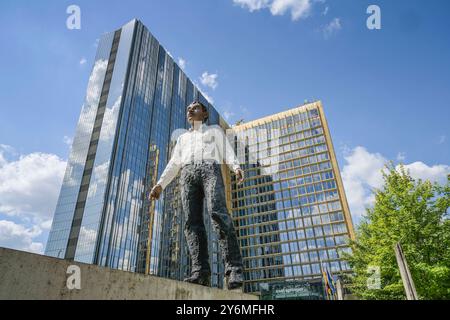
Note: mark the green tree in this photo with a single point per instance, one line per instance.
(416, 214)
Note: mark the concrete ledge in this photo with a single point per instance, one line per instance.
(25, 275)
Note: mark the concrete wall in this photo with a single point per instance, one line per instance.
(25, 275)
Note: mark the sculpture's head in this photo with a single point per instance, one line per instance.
(197, 112)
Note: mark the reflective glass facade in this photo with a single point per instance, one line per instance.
(136, 98)
(74, 176)
(290, 219)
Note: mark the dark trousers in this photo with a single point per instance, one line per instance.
(204, 180)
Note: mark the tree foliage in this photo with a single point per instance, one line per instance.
(414, 213)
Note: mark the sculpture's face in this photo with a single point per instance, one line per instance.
(196, 113)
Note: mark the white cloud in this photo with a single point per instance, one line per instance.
(297, 8)
(29, 186)
(68, 140)
(83, 61)
(442, 139)
(362, 173)
(253, 5)
(401, 156)
(18, 237)
(325, 11)
(209, 80)
(46, 225)
(436, 173)
(182, 63)
(331, 28)
(29, 189)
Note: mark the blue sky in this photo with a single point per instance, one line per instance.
(385, 92)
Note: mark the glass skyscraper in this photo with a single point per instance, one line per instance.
(291, 214)
(136, 98)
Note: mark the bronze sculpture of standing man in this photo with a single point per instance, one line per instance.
(198, 154)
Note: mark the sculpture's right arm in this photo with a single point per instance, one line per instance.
(173, 167)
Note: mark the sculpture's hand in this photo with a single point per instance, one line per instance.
(239, 175)
(155, 192)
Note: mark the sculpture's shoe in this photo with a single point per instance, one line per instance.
(235, 279)
(202, 278)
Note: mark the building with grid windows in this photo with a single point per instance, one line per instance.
(292, 221)
(136, 98)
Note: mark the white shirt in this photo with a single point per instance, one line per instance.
(193, 146)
